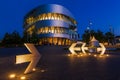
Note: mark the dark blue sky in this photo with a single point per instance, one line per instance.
(102, 13)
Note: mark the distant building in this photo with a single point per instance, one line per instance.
(117, 40)
(53, 23)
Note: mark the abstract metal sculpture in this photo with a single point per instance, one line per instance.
(73, 48)
(33, 58)
(99, 47)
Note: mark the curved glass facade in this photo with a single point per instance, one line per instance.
(53, 23)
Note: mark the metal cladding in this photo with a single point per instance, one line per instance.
(53, 23)
(50, 8)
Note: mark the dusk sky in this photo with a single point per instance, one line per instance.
(102, 13)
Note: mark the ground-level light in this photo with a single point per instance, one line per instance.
(12, 76)
(22, 77)
(34, 69)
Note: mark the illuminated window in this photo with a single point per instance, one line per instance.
(46, 29)
(30, 20)
(48, 16)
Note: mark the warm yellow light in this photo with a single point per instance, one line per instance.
(95, 55)
(89, 54)
(68, 54)
(78, 55)
(23, 78)
(100, 56)
(34, 69)
(42, 70)
(107, 55)
(12, 76)
(81, 55)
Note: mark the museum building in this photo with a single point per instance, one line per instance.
(54, 25)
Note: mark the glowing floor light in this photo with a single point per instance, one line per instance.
(12, 76)
(107, 55)
(68, 54)
(22, 77)
(95, 55)
(34, 69)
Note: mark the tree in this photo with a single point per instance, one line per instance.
(7, 39)
(92, 33)
(31, 38)
(34, 38)
(25, 38)
(16, 38)
(100, 36)
(13, 39)
(86, 36)
(109, 37)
